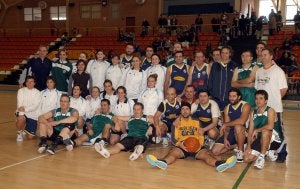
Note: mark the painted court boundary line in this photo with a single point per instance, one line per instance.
(25, 161)
(239, 180)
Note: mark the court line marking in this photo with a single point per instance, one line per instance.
(28, 160)
(242, 175)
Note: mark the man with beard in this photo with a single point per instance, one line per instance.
(127, 58)
(236, 114)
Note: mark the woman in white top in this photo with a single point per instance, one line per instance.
(124, 107)
(109, 94)
(114, 72)
(50, 97)
(94, 102)
(134, 79)
(151, 97)
(80, 104)
(28, 101)
(157, 68)
(97, 69)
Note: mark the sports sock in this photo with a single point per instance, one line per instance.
(219, 163)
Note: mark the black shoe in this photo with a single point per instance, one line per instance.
(50, 150)
(280, 159)
(42, 148)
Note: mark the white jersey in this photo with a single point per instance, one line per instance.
(50, 100)
(112, 99)
(114, 73)
(271, 80)
(161, 73)
(94, 104)
(81, 105)
(151, 98)
(124, 108)
(97, 70)
(30, 99)
(134, 82)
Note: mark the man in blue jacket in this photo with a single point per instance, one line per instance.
(220, 77)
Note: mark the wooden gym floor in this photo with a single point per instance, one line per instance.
(22, 167)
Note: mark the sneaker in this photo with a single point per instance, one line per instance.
(152, 160)
(260, 162)
(42, 148)
(240, 156)
(138, 150)
(70, 145)
(230, 162)
(209, 143)
(50, 150)
(165, 142)
(272, 155)
(20, 136)
(99, 147)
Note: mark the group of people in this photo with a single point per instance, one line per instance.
(132, 101)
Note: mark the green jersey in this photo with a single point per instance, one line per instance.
(59, 115)
(257, 63)
(137, 127)
(61, 72)
(99, 121)
(248, 94)
(260, 120)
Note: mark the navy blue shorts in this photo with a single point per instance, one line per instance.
(169, 124)
(31, 126)
(231, 138)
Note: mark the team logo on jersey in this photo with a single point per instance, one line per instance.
(177, 106)
(204, 72)
(208, 110)
(179, 78)
(184, 71)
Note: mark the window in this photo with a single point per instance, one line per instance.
(90, 11)
(32, 14)
(291, 10)
(265, 7)
(58, 13)
(115, 11)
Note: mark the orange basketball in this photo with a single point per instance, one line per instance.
(192, 144)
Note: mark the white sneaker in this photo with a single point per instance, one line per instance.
(260, 162)
(165, 142)
(209, 143)
(20, 136)
(42, 148)
(99, 147)
(138, 150)
(272, 155)
(240, 156)
(70, 146)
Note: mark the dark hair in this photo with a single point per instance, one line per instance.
(81, 61)
(139, 104)
(245, 51)
(29, 77)
(76, 85)
(262, 92)
(271, 52)
(179, 52)
(105, 100)
(215, 50)
(229, 48)
(100, 50)
(236, 90)
(261, 43)
(157, 56)
(183, 103)
(191, 86)
(129, 44)
(123, 88)
(204, 91)
(199, 51)
(65, 95)
(154, 76)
